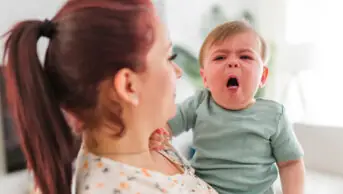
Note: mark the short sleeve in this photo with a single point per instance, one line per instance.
(186, 113)
(284, 142)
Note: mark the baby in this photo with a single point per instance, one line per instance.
(241, 143)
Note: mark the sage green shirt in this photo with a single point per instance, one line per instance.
(237, 151)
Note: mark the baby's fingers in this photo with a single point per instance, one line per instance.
(156, 145)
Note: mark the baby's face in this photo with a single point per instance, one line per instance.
(233, 70)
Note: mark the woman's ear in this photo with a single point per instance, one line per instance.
(126, 84)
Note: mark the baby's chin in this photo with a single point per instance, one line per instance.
(234, 102)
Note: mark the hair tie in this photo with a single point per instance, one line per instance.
(47, 28)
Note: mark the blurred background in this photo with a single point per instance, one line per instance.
(305, 40)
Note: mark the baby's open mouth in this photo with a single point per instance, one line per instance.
(232, 82)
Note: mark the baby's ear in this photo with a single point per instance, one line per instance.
(203, 76)
(264, 76)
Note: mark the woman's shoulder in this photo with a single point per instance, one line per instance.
(101, 175)
(97, 175)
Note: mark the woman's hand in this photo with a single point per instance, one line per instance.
(159, 140)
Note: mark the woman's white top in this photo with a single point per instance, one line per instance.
(99, 175)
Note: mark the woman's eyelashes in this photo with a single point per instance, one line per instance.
(172, 57)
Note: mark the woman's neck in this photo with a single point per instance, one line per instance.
(131, 147)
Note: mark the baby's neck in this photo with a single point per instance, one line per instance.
(237, 107)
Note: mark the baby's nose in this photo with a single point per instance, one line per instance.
(233, 65)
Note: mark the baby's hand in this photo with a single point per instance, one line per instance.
(159, 140)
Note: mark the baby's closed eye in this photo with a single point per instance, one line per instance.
(218, 58)
(246, 57)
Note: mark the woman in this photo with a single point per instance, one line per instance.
(108, 64)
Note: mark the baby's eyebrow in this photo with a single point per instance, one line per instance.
(248, 50)
(221, 51)
(242, 50)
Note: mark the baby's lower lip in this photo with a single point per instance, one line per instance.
(233, 87)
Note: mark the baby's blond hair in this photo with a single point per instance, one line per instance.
(226, 30)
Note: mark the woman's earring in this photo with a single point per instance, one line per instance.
(135, 99)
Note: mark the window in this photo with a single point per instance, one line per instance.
(318, 23)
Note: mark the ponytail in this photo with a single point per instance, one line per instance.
(46, 139)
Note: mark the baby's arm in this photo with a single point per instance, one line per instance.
(184, 120)
(185, 116)
(289, 156)
(292, 174)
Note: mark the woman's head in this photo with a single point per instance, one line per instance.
(107, 61)
(109, 58)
